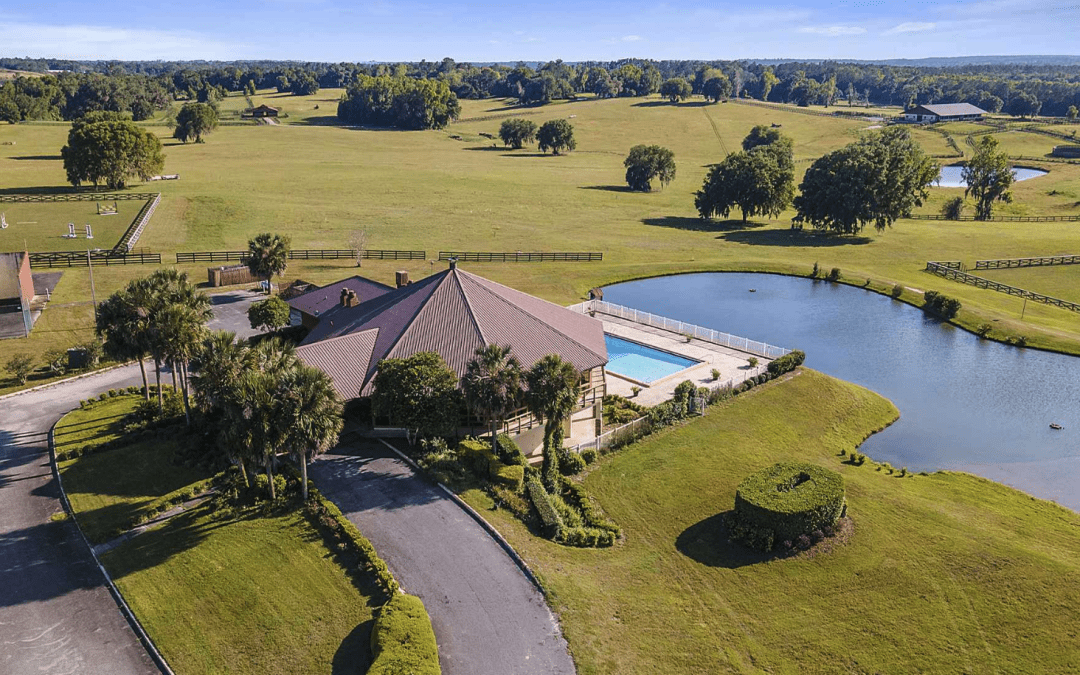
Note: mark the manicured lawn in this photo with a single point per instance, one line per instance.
(1056, 281)
(100, 423)
(944, 573)
(42, 226)
(258, 595)
(219, 591)
(428, 190)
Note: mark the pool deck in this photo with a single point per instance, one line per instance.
(732, 363)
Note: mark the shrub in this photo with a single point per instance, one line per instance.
(634, 391)
(590, 513)
(816, 272)
(262, 485)
(752, 361)
(787, 363)
(939, 304)
(20, 367)
(1017, 340)
(953, 208)
(589, 455)
(402, 640)
(786, 501)
(551, 524)
(667, 413)
(510, 476)
(509, 451)
(834, 274)
(570, 463)
(336, 527)
(897, 291)
(983, 330)
(56, 361)
(715, 374)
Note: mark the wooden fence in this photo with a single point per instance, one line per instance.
(1043, 261)
(42, 260)
(301, 254)
(79, 197)
(477, 256)
(951, 271)
(135, 230)
(1000, 219)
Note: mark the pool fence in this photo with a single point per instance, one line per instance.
(699, 332)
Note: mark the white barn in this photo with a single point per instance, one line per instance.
(945, 112)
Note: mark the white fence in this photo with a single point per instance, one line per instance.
(608, 437)
(709, 335)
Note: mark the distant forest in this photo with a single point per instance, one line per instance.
(69, 89)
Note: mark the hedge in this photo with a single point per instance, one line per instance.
(786, 363)
(942, 305)
(784, 501)
(333, 523)
(549, 519)
(477, 455)
(402, 640)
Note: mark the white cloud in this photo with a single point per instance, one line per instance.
(911, 27)
(106, 42)
(631, 38)
(833, 31)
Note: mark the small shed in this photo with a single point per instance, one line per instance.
(264, 111)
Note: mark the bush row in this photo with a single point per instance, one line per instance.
(550, 522)
(478, 456)
(592, 515)
(786, 363)
(402, 640)
(335, 527)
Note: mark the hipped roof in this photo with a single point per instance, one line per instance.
(320, 300)
(451, 313)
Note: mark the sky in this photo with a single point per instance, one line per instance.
(385, 30)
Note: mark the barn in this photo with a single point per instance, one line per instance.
(944, 112)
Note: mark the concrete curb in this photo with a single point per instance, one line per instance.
(488, 527)
(132, 620)
(65, 380)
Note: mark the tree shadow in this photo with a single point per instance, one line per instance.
(156, 546)
(318, 121)
(700, 225)
(48, 190)
(529, 154)
(37, 157)
(774, 237)
(487, 148)
(707, 542)
(611, 188)
(354, 654)
(43, 562)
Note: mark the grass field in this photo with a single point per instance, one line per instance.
(42, 226)
(236, 592)
(1059, 281)
(428, 190)
(946, 573)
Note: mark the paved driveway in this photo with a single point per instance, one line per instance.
(488, 618)
(56, 614)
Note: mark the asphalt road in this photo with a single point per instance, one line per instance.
(56, 614)
(488, 618)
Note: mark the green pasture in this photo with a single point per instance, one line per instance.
(42, 226)
(942, 573)
(429, 190)
(1058, 281)
(218, 590)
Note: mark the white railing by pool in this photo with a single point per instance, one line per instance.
(610, 436)
(701, 333)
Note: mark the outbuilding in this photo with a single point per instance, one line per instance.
(944, 112)
(264, 111)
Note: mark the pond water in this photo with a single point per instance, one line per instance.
(951, 176)
(965, 404)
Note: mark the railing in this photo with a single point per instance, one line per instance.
(79, 197)
(1008, 263)
(131, 237)
(480, 256)
(1001, 219)
(611, 436)
(954, 273)
(701, 333)
(41, 260)
(522, 419)
(302, 254)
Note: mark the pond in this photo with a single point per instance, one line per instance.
(965, 403)
(951, 176)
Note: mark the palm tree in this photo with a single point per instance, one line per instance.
(311, 408)
(181, 330)
(492, 386)
(552, 395)
(175, 309)
(268, 254)
(267, 428)
(122, 325)
(219, 367)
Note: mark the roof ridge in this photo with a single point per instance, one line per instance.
(532, 316)
(410, 321)
(469, 307)
(337, 338)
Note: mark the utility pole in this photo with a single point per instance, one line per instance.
(1024, 309)
(93, 294)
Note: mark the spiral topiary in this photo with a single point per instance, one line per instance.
(784, 501)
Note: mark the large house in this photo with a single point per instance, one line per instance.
(451, 313)
(944, 112)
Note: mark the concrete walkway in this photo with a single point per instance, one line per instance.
(56, 614)
(488, 618)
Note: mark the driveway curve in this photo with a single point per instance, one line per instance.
(489, 619)
(57, 616)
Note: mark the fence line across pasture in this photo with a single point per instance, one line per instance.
(301, 254)
(999, 219)
(699, 332)
(1042, 261)
(520, 256)
(108, 258)
(80, 197)
(953, 271)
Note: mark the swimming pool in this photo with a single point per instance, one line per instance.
(643, 364)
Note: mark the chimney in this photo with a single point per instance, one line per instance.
(453, 263)
(402, 278)
(344, 297)
(353, 299)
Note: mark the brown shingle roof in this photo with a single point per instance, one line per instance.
(451, 313)
(316, 302)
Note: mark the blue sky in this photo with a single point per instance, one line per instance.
(385, 30)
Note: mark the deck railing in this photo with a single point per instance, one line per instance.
(699, 332)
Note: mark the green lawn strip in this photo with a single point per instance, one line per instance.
(100, 422)
(942, 573)
(250, 594)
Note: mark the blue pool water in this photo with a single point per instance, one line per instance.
(642, 363)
